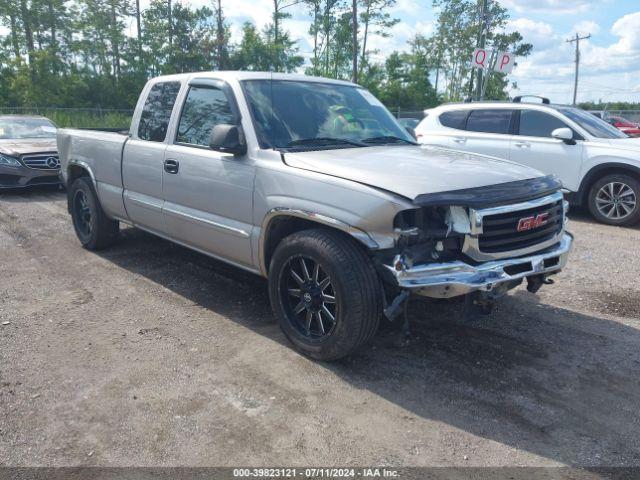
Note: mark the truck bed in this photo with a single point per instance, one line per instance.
(101, 153)
(98, 149)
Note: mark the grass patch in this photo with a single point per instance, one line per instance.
(79, 118)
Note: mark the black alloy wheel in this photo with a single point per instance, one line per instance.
(309, 298)
(82, 217)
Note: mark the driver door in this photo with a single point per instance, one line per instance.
(208, 194)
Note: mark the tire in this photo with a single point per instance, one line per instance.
(624, 209)
(352, 282)
(93, 228)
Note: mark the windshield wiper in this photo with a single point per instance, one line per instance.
(388, 139)
(319, 141)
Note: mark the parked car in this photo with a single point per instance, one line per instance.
(314, 185)
(599, 166)
(628, 127)
(28, 152)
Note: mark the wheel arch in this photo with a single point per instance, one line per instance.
(281, 222)
(75, 170)
(600, 171)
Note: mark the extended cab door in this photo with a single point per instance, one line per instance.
(534, 146)
(143, 157)
(208, 194)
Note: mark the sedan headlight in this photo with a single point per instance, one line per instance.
(9, 161)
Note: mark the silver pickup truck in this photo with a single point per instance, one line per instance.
(313, 184)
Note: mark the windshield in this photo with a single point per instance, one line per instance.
(16, 128)
(592, 124)
(311, 115)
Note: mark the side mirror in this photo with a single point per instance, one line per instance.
(228, 139)
(564, 134)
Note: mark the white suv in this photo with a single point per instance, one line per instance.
(599, 166)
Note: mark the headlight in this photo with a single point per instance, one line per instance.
(10, 161)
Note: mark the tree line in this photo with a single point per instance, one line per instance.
(89, 53)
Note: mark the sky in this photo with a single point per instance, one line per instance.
(610, 60)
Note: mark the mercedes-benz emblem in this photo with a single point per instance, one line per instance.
(52, 162)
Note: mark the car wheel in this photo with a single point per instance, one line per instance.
(615, 200)
(325, 293)
(93, 228)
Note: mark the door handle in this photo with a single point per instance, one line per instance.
(171, 166)
(522, 144)
(460, 140)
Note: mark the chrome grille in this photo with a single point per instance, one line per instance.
(494, 231)
(42, 161)
(500, 232)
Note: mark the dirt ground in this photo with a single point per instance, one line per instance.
(150, 354)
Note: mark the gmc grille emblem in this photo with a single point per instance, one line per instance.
(529, 223)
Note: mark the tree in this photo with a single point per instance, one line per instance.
(78, 53)
(259, 51)
(375, 20)
(458, 29)
(278, 16)
(222, 37)
(324, 23)
(354, 44)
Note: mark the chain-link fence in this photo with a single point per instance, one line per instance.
(631, 115)
(77, 117)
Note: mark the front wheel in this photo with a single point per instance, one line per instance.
(615, 200)
(94, 229)
(324, 292)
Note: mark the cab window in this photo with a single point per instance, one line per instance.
(534, 123)
(490, 120)
(204, 108)
(156, 112)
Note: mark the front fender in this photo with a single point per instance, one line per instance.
(360, 211)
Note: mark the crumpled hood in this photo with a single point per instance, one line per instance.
(411, 170)
(16, 148)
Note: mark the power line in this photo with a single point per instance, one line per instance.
(575, 82)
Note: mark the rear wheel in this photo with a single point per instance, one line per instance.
(93, 228)
(324, 292)
(615, 200)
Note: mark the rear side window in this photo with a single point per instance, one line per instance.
(454, 119)
(156, 112)
(489, 120)
(204, 108)
(538, 124)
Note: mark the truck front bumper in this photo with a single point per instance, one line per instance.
(450, 279)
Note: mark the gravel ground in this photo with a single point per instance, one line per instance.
(150, 354)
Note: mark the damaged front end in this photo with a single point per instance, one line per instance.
(444, 251)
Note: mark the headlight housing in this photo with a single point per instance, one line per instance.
(6, 160)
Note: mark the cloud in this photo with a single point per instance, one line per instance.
(539, 34)
(549, 6)
(586, 27)
(627, 29)
(401, 33)
(607, 72)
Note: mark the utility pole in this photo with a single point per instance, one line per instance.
(484, 20)
(575, 82)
